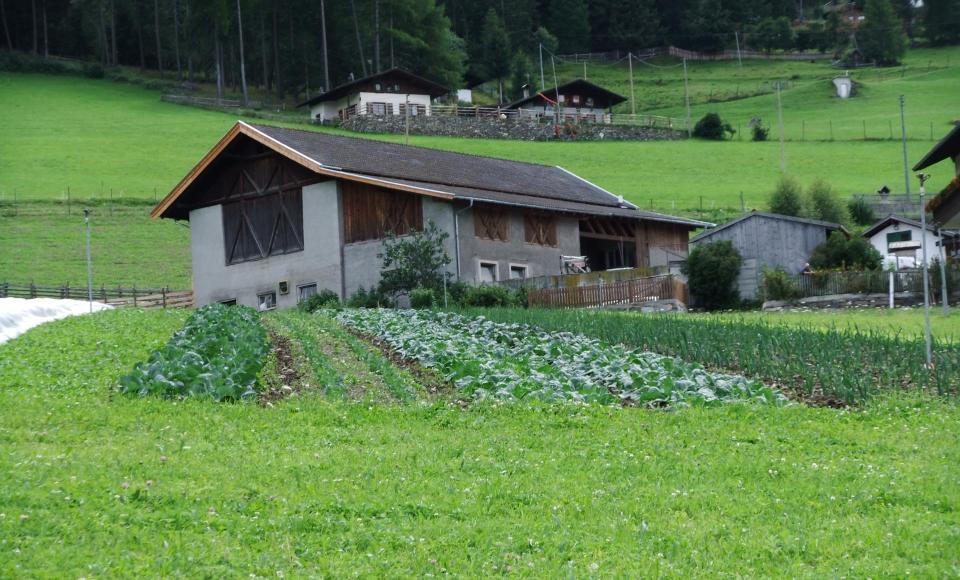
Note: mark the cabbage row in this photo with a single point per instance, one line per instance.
(218, 354)
(486, 359)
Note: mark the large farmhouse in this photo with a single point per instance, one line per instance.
(390, 92)
(276, 214)
(578, 100)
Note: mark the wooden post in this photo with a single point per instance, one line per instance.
(134, 295)
(163, 294)
(33, 290)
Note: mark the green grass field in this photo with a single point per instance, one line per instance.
(94, 483)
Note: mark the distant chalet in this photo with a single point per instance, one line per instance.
(390, 92)
(277, 214)
(578, 100)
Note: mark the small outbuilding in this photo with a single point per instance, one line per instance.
(577, 101)
(900, 241)
(769, 240)
(390, 92)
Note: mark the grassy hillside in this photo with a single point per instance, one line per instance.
(94, 136)
(314, 486)
(928, 77)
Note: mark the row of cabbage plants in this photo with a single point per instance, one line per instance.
(852, 365)
(485, 359)
(218, 354)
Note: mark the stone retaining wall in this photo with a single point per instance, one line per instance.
(494, 128)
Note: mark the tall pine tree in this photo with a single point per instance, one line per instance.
(880, 38)
(570, 22)
(941, 18)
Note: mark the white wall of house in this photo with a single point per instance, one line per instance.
(589, 113)
(330, 110)
(880, 241)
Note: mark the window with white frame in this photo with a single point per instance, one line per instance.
(305, 291)
(266, 301)
(518, 272)
(488, 272)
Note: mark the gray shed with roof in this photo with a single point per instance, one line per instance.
(276, 214)
(769, 240)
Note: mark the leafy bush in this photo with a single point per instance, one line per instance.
(779, 285)
(325, 298)
(711, 126)
(13, 61)
(488, 295)
(787, 198)
(93, 70)
(363, 298)
(712, 271)
(824, 203)
(423, 298)
(417, 260)
(759, 131)
(861, 212)
(217, 354)
(840, 253)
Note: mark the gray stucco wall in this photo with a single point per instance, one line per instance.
(766, 242)
(319, 262)
(361, 264)
(540, 260)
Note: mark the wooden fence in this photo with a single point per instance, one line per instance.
(623, 293)
(120, 297)
(870, 282)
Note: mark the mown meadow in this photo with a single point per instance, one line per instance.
(340, 479)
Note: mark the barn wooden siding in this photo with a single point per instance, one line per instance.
(370, 213)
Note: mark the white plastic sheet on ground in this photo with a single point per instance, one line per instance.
(18, 315)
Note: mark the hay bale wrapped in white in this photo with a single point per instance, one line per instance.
(18, 315)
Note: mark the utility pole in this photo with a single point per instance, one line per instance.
(86, 221)
(406, 121)
(736, 35)
(686, 97)
(323, 35)
(633, 100)
(903, 139)
(923, 177)
(584, 70)
(556, 94)
(783, 160)
(243, 66)
(942, 255)
(543, 83)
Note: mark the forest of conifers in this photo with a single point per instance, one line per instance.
(297, 47)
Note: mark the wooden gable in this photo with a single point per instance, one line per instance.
(370, 213)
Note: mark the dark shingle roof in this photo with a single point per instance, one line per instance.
(775, 216)
(436, 167)
(893, 218)
(946, 147)
(431, 88)
(585, 88)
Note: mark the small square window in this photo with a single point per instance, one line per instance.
(488, 272)
(231, 302)
(576, 99)
(376, 87)
(306, 291)
(266, 301)
(518, 272)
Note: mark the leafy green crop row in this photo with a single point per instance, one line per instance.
(851, 365)
(512, 361)
(218, 354)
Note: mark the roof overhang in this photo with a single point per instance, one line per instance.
(947, 147)
(241, 128)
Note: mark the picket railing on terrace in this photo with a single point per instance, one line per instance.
(583, 279)
(624, 293)
(139, 297)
